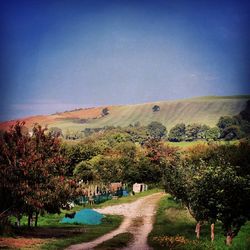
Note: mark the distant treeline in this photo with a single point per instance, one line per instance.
(227, 128)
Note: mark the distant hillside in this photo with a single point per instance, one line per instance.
(205, 110)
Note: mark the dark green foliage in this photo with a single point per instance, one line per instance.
(55, 131)
(212, 134)
(195, 131)
(229, 127)
(137, 134)
(156, 130)
(156, 108)
(227, 121)
(84, 171)
(245, 114)
(214, 184)
(235, 127)
(89, 131)
(79, 152)
(177, 133)
(231, 132)
(105, 111)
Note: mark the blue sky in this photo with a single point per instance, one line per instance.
(60, 55)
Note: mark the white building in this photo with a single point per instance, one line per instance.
(140, 187)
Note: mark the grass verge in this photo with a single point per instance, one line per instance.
(117, 242)
(174, 229)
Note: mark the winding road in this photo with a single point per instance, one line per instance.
(138, 220)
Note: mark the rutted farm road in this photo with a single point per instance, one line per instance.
(138, 220)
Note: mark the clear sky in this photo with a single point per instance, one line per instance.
(59, 55)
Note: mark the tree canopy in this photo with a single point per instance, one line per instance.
(32, 173)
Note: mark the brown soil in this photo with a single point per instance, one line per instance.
(19, 242)
(29, 238)
(88, 113)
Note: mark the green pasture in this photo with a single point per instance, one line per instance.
(205, 110)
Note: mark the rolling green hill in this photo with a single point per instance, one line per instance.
(205, 110)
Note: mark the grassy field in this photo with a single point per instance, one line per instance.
(174, 229)
(186, 144)
(205, 110)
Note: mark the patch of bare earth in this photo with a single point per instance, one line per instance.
(138, 220)
(31, 238)
(20, 242)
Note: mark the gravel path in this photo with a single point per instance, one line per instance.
(138, 220)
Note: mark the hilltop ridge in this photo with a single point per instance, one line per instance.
(206, 109)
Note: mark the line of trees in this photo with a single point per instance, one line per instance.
(213, 182)
(227, 128)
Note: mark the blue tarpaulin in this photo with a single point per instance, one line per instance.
(85, 216)
(124, 193)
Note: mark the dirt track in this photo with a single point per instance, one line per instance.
(138, 219)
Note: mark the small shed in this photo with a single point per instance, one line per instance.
(140, 187)
(114, 186)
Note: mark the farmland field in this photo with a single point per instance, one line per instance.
(206, 110)
(196, 110)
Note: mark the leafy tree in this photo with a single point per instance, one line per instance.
(137, 134)
(192, 131)
(177, 133)
(226, 121)
(117, 138)
(31, 169)
(84, 171)
(156, 108)
(105, 111)
(212, 134)
(156, 130)
(79, 152)
(213, 182)
(55, 131)
(202, 131)
(109, 169)
(231, 132)
(89, 131)
(245, 114)
(158, 155)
